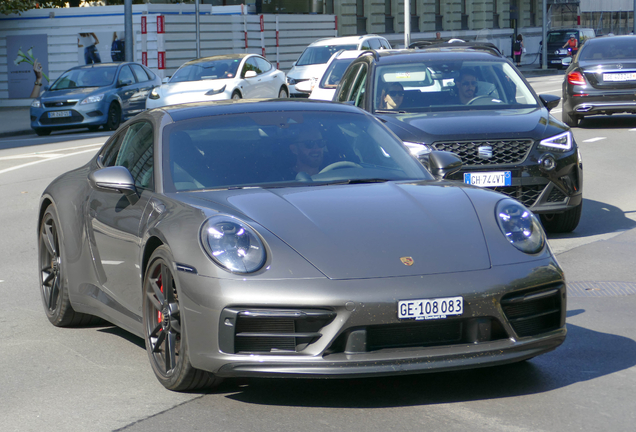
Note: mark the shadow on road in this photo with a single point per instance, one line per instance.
(600, 218)
(585, 355)
(604, 122)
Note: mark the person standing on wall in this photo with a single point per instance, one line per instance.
(517, 49)
(88, 41)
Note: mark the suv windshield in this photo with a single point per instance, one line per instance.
(442, 86)
(560, 37)
(207, 70)
(90, 77)
(320, 54)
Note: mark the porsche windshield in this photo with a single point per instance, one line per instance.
(280, 149)
(85, 77)
(450, 86)
(206, 70)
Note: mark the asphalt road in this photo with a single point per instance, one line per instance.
(99, 379)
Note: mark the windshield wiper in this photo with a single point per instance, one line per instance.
(357, 181)
(390, 112)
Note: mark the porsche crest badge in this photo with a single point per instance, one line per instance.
(407, 261)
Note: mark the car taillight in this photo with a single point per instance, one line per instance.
(576, 78)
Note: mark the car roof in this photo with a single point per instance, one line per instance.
(219, 57)
(101, 65)
(345, 40)
(205, 109)
(455, 52)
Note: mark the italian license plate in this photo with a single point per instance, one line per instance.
(54, 114)
(619, 76)
(487, 179)
(427, 309)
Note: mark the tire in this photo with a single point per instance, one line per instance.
(114, 117)
(562, 222)
(53, 278)
(236, 95)
(569, 119)
(43, 131)
(165, 330)
(282, 93)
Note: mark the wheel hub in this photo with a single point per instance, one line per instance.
(165, 318)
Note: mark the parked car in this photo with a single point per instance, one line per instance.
(601, 79)
(313, 61)
(293, 238)
(231, 76)
(558, 55)
(469, 99)
(101, 94)
(324, 87)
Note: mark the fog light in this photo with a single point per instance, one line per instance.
(547, 162)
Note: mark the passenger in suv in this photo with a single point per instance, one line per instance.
(558, 50)
(313, 61)
(504, 134)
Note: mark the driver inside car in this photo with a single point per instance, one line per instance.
(466, 85)
(309, 149)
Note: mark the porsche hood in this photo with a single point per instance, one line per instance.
(420, 228)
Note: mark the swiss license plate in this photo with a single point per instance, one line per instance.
(487, 179)
(54, 114)
(619, 76)
(427, 309)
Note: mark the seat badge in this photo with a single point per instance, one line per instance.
(407, 261)
(484, 152)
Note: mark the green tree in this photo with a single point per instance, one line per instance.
(19, 6)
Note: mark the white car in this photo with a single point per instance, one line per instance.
(313, 61)
(232, 76)
(324, 87)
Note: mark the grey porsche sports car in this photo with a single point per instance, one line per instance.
(293, 238)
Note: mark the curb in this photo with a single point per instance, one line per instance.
(17, 133)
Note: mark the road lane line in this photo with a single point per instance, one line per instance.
(44, 160)
(594, 139)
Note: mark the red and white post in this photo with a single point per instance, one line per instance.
(161, 43)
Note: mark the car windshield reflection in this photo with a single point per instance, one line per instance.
(78, 78)
(206, 70)
(283, 150)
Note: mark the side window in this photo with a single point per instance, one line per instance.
(358, 91)
(263, 64)
(126, 76)
(375, 44)
(136, 154)
(385, 44)
(140, 73)
(347, 82)
(110, 152)
(366, 45)
(250, 65)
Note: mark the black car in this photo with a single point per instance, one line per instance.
(601, 79)
(558, 54)
(470, 100)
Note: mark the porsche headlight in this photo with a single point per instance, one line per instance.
(154, 94)
(562, 142)
(92, 99)
(520, 226)
(232, 244)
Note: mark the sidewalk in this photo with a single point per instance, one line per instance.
(15, 121)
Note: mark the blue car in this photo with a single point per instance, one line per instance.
(102, 94)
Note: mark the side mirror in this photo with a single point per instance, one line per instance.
(165, 80)
(305, 86)
(116, 179)
(442, 163)
(250, 74)
(550, 101)
(45, 88)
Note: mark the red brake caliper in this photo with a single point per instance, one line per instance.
(159, 315)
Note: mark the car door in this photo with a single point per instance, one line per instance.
(114, 228)
(250, 85)
(357, 96)
(127, 90)
(344, 88)
(144, 87)
(272, 79)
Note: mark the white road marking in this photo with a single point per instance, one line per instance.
(44, 160)
(633, 130)
(595, 139)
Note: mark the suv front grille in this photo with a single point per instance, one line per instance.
(504, 152)
(527, 195)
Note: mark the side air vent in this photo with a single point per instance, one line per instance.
(534, 312)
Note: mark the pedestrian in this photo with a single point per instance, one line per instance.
(518, 48)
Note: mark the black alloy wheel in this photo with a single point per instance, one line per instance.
(53, 284)
(164, 328)
(114, 117)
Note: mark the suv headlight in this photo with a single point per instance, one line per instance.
(520, 226)
(291, 81)
(232, 244)
(417, 149)
(92, 99)
(562, 142)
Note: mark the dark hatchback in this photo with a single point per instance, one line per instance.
(470, 100)
(601, 79)
(91, 96)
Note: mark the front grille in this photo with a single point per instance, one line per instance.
(59, 104)
(534, 312)
(504, 152)
(246, 331)
(527, 195)
(556, 195)
(74, 118)
(413, 335)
